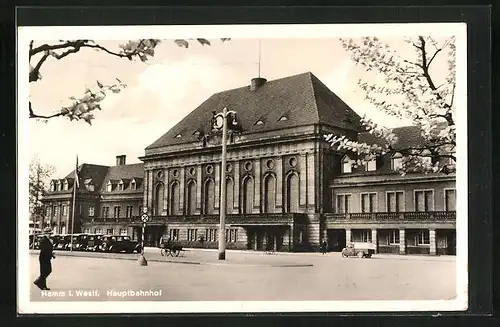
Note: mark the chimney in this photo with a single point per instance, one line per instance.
(120, 160)
(256, 83)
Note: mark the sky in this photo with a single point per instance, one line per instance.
(163, 90)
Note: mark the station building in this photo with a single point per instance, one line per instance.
(287, 188)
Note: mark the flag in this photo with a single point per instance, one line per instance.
(77, 182)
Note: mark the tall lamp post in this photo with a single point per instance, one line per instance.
(220, 121)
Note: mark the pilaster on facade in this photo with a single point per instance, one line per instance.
(279, 184)
(217, 168)
(402, 241)
(303, 181)
(150, 190)
(237, 183)
(166, 192)
(374, 239)
(311, 181)
(348, 235)
(257, 187)
(198, 189)
(432, 241)
(182, 188)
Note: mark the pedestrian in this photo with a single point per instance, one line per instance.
(45, 257)
(323, 247)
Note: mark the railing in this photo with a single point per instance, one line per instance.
(269, 218)
(393, 216)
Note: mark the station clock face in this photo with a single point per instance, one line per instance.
(219, 121)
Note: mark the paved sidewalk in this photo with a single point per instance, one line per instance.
(198, 256)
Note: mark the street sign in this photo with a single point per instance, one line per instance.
(145, 210)
(144, 218)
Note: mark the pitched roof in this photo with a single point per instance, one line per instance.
(407, 136)
(303, 99)
(90, 171)
(125, 172)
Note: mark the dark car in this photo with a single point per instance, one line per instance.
(63, 242)
(93, 242)
(79, 242)
(119, 243)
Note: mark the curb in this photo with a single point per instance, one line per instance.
(69, 254)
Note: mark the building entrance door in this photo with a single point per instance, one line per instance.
(336, 239)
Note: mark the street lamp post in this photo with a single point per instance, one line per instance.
(221, 121)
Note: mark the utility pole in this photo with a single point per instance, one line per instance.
(220, 121)
(222, 230)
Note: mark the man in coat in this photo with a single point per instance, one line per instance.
(45, 258)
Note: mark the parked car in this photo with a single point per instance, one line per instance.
(119, 243)
(63, 242)
(359, 249)
(93, 242)
(79, 242)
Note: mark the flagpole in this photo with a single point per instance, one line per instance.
(75, 184)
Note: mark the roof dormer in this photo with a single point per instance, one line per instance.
(396, 161)
(370, 163)
(347, 163)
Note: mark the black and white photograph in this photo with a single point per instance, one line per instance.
(242, 168)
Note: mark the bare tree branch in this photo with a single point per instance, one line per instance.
(34, 74)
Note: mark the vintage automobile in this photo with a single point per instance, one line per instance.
(119, 243)
(63, 242)
(79, 242)
(93, 242)
(359, 249)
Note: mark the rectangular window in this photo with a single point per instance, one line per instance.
(105, 212)
(343, 203)
(396, 163)
(192, 235)
(422, 238)
(129, 212)
(424, 200)
(368, 202)
(64, 210)
(364, 235)
(86, 230)
(450, 200)
(120, 187)
(395, 201)
(56, 211)
(174, 234)
(123, 231)
(370, 165)
(132, 186)
(98, 230)
(347, 167)
(109, 231)
(109, 187)
(211, 235)
(91, 211)
(393, 238)
(116, 213)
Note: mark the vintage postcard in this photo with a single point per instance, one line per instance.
(245, 168)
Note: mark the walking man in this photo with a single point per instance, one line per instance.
(45, 258)
(323, 247)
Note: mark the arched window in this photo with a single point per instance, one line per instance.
(248, 195)
(159, 194)
(209, 198)
(66, 185)
(292, 193)
(175, 198)
(269, 194)
(229, 195)
(191, 198)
